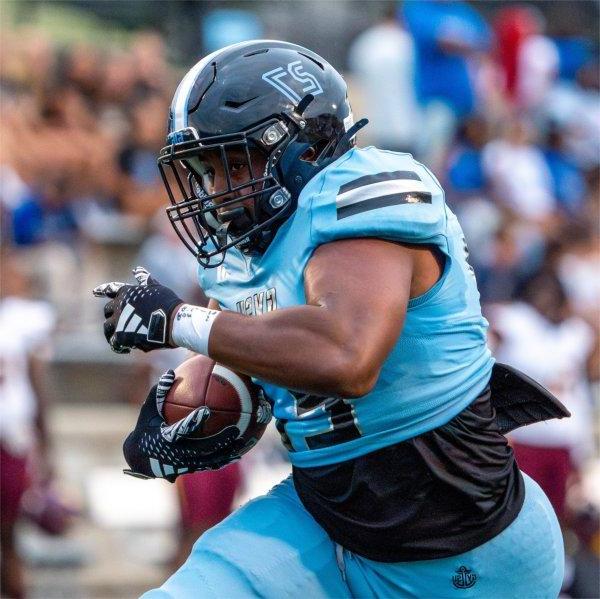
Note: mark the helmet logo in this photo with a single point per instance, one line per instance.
(296, 71)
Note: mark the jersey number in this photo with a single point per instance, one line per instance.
(342, 421)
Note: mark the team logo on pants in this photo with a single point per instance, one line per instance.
(464, 578)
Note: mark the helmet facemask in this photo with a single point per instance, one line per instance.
(212, 212)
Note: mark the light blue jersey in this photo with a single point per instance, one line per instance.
(440, 362)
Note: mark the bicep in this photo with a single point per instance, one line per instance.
(365, 286)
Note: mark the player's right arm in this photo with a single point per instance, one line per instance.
(337, 342)
(356, 290)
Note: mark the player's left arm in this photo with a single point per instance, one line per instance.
(357, 291)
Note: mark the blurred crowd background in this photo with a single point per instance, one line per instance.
(500, 99)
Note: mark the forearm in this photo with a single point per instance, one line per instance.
(304, 348)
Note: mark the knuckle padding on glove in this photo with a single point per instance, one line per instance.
(109, 309)
(151, 307)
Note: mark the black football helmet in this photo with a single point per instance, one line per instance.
(260, 99)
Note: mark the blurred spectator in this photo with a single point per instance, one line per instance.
(529, 58)
(44, 223)
(382, 59)
(573, 53)
(151, 68)
(512, 27)
(569, 187)
(518, 173)
(43, 215)
(505, 266)
(574, 107)
(538, 68)
(465, 174)
(81, 67)
(142, 191)
(26, 326)
(577, 263)
(448, 38)
(540, 335)
(118, 85)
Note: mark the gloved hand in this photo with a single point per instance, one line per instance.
(157, 450)
(138, 316)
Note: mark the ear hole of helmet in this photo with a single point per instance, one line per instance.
(309, 155)
(315, 152)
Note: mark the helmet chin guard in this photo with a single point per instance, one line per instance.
(211, 223)
(266, 100)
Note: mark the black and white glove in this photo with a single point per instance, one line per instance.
(137, 316)
(157, 450)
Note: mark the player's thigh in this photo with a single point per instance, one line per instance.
(271, 547)
(524, 560)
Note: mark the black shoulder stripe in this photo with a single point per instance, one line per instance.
(395, 199)
(378, 178)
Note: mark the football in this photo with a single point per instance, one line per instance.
(233, 400)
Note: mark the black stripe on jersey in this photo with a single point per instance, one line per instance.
(395, 199)
(378, 178)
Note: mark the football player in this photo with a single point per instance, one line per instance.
(339, 280)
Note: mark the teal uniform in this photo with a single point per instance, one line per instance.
(272, 546)
(440, 362)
